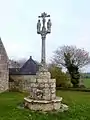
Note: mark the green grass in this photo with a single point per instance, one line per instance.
(87, 82)
(78, 102)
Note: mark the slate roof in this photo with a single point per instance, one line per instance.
(14, 71)
(29, 68)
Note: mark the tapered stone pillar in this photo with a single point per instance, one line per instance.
(43, 56)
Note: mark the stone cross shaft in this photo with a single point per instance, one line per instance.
(43, 32)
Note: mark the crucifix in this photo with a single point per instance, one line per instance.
(43, 32)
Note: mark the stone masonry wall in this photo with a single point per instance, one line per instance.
(20, 82)
(43, 89)
(43, 94)
(4, 72)
(3, 77)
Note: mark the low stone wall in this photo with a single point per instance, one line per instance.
(20, 82)
(36, 87)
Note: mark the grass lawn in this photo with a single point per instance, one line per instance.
(78, 102)
(87, 82)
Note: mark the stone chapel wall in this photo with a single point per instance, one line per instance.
(4, 71)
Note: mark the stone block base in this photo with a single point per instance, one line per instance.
(44, 105)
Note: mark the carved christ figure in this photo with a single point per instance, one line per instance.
(38, 26)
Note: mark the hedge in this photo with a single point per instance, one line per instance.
(74, 89)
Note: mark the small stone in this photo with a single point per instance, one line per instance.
(39, 80)
(53, 90)
(45, 80)
(43, 75)
(33, 80)
(33, 85)
(46, 96)
(57, 106)
(42, 85)
(53, 85)
(52, 80)
(47, 107)
(47, 91)
(47, 85)
(64, 107)
(53, 96)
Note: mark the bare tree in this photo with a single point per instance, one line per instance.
(73, 59)
(79, 56)
(13, 64)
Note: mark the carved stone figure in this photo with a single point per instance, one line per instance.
(49, 24)
(39, 94)
(38, 26)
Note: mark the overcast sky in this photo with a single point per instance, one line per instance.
(18, 19)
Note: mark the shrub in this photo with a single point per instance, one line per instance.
(62, 79)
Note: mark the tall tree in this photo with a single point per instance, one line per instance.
(73, 59)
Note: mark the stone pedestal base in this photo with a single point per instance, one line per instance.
(43, 94)
(45, 105)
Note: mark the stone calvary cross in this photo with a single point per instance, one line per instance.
(43, 32)
(43, 88)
